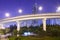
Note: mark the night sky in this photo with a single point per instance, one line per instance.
(12, 6)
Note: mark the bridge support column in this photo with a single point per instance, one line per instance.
(18, 27)
(44, 24)
(2, 26)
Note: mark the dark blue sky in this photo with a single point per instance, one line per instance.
(12, 6)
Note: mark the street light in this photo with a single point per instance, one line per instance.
(58, 9)
(40, 8)
(7, 14)
(20, 11)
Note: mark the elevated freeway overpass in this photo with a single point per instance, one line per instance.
(18, 19)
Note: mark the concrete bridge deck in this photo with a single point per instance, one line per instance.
(17, 19)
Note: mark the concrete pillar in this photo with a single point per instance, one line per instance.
(2, 26)
(44, 24)
(18, 25)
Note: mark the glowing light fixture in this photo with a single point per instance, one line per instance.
(58, 9)
(40, 8)
(7, 14)
(20, 11)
